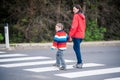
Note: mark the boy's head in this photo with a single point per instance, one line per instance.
(59, 26)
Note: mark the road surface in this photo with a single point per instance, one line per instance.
(100, 63)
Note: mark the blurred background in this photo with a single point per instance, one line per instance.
(34, 20)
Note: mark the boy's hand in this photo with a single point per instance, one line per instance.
(52, 48)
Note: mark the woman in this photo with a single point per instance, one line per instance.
(77, 32)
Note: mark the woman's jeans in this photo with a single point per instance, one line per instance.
(59, 58)
(76, 47)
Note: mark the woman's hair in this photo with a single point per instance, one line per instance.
(60, 25)
(78, 7)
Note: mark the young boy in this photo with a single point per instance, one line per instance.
(60, 40)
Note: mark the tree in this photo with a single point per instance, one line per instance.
(34, 20)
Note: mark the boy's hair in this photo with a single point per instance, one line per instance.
(60, 25)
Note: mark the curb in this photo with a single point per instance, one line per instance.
(48, 45)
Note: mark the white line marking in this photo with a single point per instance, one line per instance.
(42, 69)
(23, 59)
(31, 63)
(12, 55)
(2, 52)
(54, 68)
(118, 78)
(89, 73)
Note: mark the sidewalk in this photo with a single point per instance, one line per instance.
(48, 45)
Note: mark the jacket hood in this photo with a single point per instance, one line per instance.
(82, 16)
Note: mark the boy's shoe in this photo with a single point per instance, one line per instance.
(56, 65)
(62, 68)
(78, 65)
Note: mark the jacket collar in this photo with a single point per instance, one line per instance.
(60, 31)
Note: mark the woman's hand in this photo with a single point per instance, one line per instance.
(70, 39)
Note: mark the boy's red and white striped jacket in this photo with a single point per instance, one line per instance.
(60, 40)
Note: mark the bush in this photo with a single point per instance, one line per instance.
(1, 37)
(94, 32)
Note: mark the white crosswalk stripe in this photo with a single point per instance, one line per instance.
(89, 73)
(30, 63)
(12, 55)
(118, 78)
(2, 52)
(54, 69)
(23, 59)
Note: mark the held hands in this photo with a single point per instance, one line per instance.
(70, 39)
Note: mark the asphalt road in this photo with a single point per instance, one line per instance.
(100, 63)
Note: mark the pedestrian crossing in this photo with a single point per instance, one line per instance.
(54, 69)
(89, 73)
(27, 62)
